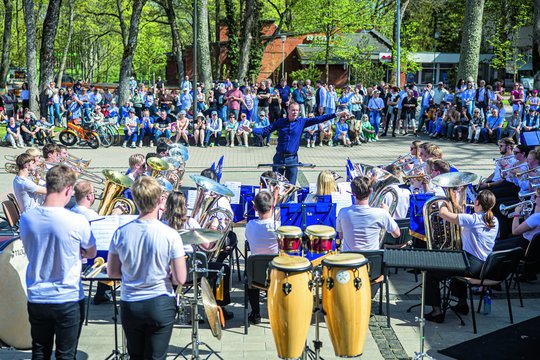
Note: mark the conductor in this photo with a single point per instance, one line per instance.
(289, 134)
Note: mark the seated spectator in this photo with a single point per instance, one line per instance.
(199, 130)
(131, 129)
(45, 131)
(435, 127)
(311, 133)
(325, 132)
(240, 132)
(113, 113)
(476, 125)
(463, 126)
(28, 130)
(162, 126)
(182, 127)
(146, 129)
(355, 131)
(342, 132)
(185, 100)
(530, 122)
(13, 134)
(513, 126)
(98, 115)
(230, 129)
(260, 122)
(214, 128)
(493, 127)
(367, 129)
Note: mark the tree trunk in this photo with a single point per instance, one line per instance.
(536, 44)
(6, 43)
(46, 55)
(217, 49)
(471, 40)
(246, 37)
(203, 48)
(68, 42)
(31, 53)
(176, 47)
(129, 51)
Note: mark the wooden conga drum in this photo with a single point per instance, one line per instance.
(346, 300)
(289, 240)
(290, 304)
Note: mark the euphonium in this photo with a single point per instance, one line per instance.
(439, 233)
(115, 186)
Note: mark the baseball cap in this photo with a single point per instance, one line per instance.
(131, 110)
(214, 112)
(200, 114)
(183, 112)
(262, 113)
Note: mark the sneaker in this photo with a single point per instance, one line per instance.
(140, 144)
(267, 144)
(14, 146)
(254, 318)
(246, 145)
(330, 143)
(133, 146)
(320, 144)
(151, 144)
(124, 144)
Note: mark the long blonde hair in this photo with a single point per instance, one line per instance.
(326, 184)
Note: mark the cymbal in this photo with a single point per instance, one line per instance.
(117, 178)
(199, 236)
(210, 308)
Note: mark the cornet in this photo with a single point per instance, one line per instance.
(507, 157)
(505, 171)
(420, 177)
(528, 171)
(411, 161)
(526, 210)
(407, 158)
(414, 169)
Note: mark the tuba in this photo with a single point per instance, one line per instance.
(442, 235)
(115, 186)
(208, 214)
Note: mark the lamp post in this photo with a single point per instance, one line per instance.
(283, 38)
(398, 44)
(194, 87)
(436, 37)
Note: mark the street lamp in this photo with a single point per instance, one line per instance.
(398, 43)
(436, 37)
(283, 38)
(194, 86)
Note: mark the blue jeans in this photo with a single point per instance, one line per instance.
(484, 134)
(209, 133)
(130, 138)
(421, 117)
(54, 113)
(146, 132)
(375, 120)
(158, 133)
(290, 173)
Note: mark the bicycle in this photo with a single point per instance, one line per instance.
(79, 131)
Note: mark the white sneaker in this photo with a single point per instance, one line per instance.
(320, 144)
(124, 144)
(151, 144)
(140, 144)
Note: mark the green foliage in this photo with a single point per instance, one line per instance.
(257, 47)
(233, 47)
(310, 72)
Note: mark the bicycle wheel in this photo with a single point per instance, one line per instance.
(105, 136)
(116, 135)
(93, 140)
(67, 138)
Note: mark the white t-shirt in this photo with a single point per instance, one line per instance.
(534, 223)
(402, 208)
(25, 193)
(53, 238)
(477, 238)
(89, 214)
(261, 236)
(145, 249)
(361, 226)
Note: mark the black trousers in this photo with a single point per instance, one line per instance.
(254, 300)
(457, 288)
(61, 320)
(148, 326)
(391, 115)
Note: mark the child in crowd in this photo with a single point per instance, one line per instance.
(367, 129)
(342, 132)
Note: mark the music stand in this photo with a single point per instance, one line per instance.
(115, 354)
(425, 260)
(285, 166)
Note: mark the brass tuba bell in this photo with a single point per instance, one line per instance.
(115, 185)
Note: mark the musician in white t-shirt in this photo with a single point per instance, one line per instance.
(147, 297)
(478, 233)
(359, 226)
(55, 239)
(261, 236)
(27, 192)
(403, 199)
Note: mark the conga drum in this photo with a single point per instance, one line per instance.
(290, 304)
(320, 240)
(289, 240)
(346, 300)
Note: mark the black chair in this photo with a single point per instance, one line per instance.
(376, 273)
(499, 266)
(255, 277)
(11, 213)
(530, 263)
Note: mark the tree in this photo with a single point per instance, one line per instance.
(175, 37)
(46, 54)
(6, 43)
(248, 25)
(536, 44)
(471, 40)
(71, 10)
(130, 45)
(203, 48)
(31, 54)
(232, 33)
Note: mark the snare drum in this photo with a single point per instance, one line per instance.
(346, 300)
(290, 304)
(289, 240)
(320, 239)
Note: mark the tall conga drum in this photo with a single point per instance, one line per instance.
(289, 240)
(290, 304)
(346, 300)
(320, 240)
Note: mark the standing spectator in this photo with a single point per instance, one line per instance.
(481, 97)
(320, 97)
(427, 99)
(392, 111)
(131, 129)
(285, 95)
(10, 103)
(409, 104)
(493, 127)
(186, 84)
(298, 97)
(375, 107)
(534, 100)
(234, 97)
(162, 126)
(138, 102)
(331, 100)
(309, 96)
(25, 96)
(230, 130)
(199, 130)
(201, 100)
(248, 103)
(476, 125)
(356, 103)
(215, 126)
(146, 129)
(439, 94)
(517, 98)
(263, 95)
(221, 103)
(13, 134)
(467, 97)
(275, 106)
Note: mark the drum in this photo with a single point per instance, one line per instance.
(13, 296)
(290, 304)
(289, 240)
(346, 300)
(320, 239)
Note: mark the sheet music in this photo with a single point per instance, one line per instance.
(191, 197)
(234, 186)
(312, 188)
(341, 200)
(344, 188)
(104, 229)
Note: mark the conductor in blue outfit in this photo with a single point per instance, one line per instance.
(290, 131)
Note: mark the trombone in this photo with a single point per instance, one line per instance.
(526, 209)
(79, 162)
(412, 170)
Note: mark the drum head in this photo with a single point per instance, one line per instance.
(345, 260)
(320, 231)
(291, 263)
(293, 231)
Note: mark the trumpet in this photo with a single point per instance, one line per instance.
(528, 171)
(414, 169)
(411, 161)
(526, 210)
(507, 157)
(336, 176)
(419, 177)
(407, 158)
(505, 171)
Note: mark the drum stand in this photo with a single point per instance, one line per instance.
(421, 354)
(317, 343)
(195, 342)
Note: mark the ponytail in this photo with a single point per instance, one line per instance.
(486, 199)
(488, 219)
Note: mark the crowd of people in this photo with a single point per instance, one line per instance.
(467, 112)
